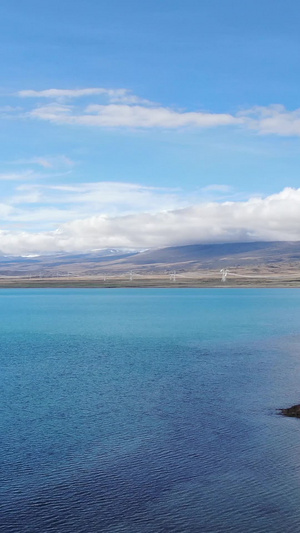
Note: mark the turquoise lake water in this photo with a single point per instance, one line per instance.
(149, 410)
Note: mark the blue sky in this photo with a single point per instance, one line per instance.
(154, 123)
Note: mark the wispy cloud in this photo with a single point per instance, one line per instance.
(70, 93)
(84, 199)
(113, 95)
(115, 116)
(219, 188)
(49, 162)
(274, 119)
(122, 109)
(8, 111)
(16, 176)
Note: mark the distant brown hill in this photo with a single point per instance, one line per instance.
(220, 255)
(279, 255)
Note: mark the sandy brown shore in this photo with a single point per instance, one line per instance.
(152, 281)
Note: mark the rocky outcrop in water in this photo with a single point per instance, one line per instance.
(291, 411)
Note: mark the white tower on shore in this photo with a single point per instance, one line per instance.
(173, 276)
(224, 273)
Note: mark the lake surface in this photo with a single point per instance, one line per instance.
(149, 410)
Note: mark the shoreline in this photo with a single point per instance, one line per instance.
(94, 283)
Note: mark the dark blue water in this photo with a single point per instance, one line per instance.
(149, 411)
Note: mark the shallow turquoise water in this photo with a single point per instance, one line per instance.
(139, 410)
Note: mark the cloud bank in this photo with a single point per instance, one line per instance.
(276, 217)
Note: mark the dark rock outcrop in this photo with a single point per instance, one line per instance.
(291, 411)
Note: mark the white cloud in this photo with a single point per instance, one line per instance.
(276, 217)
(51, 112)
(113, 95)
(115, 197)
(126, 110)
(219, 188)
(41, 161)
(136, 116)
(15, 176)
(49, 204)
(7, 110)
(56, 161)
(5, 210)
(274, 119)
(123, 109)
(71, 93)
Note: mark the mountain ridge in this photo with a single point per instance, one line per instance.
(186, 258)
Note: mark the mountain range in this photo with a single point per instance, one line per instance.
(252, 255)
